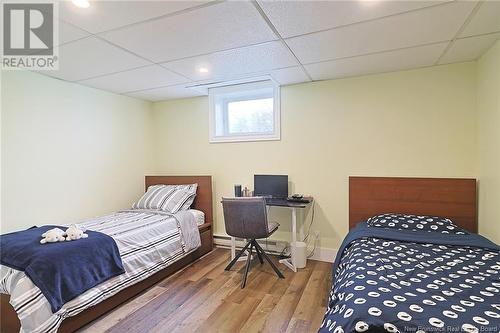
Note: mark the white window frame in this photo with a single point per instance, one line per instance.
(213, 98)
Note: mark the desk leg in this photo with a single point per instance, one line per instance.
(233, 248)
(290, 263)
(301, 235)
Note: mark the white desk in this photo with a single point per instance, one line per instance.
(289, 262)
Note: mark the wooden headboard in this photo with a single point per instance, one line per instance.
(203, 200)
(454, 198)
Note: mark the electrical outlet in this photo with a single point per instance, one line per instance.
(316, 234)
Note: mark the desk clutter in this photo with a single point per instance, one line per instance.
(238, 192)
(270, 187)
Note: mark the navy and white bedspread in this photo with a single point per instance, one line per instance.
(388, 280)
(62, 270)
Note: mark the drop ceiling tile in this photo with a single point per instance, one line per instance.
(377, 63)
(250, 59)
(487, 19)
(68, 33)
(148, 77)
(470, 48)
(89, 57)
(293, 18)
(429, 25)
(290, 75)
(161, 94)
(209, 29)
(105, 15)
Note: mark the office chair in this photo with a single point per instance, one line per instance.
(247, 218)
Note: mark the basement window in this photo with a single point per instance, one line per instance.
(245, 112)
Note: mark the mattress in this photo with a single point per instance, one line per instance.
(148, 241)
(405, 281)
(198, 215)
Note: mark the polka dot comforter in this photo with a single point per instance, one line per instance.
(392, 278)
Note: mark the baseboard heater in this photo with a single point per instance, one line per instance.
(269, 246)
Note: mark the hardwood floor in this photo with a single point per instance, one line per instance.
(205, 298)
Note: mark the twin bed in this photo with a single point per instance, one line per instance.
(153, 245)
(414, 272)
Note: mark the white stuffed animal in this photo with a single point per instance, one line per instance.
(52, 236)
(75, 232)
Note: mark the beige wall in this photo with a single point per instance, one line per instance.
(488, 87)
(68, 151)
(73, 146)
(412, 123)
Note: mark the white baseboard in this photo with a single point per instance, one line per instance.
(272, 246)
(275, 247)
(324, 254)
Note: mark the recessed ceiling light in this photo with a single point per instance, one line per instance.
(203, 70)
(81, 3)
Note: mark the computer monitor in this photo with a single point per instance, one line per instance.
(275, 186)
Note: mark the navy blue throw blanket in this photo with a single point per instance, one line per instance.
(62, 270)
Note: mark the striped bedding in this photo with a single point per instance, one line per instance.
(148, 242)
